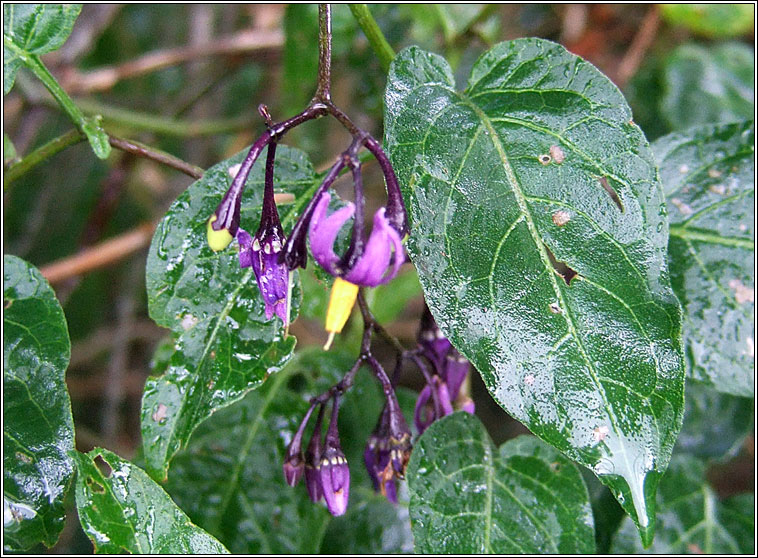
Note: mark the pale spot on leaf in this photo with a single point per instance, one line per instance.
(600, 433)
(557, 153)
(684, 208)
(561, 217)
(742, 293)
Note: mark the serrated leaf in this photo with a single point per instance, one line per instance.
(538, 158)
(230, 478)
(224, 344)
(123, 510)
(469, 498)
(708, 85)
(715, 424)
(38, 430)
(708, 177)
(34, 29)
(711, 20)
(692, 520)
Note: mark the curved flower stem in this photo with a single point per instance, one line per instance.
(323, 92)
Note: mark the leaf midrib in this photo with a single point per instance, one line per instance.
(521, 201)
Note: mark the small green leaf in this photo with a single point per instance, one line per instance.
(122, 510)
(372, 525)
(711, 20)
(469, 498)
(715, 424)
(708, 85)
(708, 174)
(224, 345)
(38, 430)
(34, 29)
(539, 235)
(692, 520)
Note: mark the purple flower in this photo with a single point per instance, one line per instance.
(450, 369)
(294, 461)
(262, 251)
(375, 265)
(333, 470)
(377, 457)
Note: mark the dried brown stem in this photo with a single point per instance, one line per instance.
(103, 79)
(631, 61)
(100, 255)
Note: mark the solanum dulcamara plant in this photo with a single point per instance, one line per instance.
(559, 263)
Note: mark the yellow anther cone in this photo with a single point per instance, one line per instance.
(218, 240)
(341, 302)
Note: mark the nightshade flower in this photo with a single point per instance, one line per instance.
(443, 390)
(375, 265)
(313, 459)
(333, 470)
(376, 456)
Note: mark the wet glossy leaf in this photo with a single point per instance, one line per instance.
(537, 163)
(230, 480)
(372, 525)
(708, 177)
(711, 20)
(715, 424)
(123, 510)
(691, 519)
(224, 344)
(34, 29)
(38, 430)
(469, 498)
(718, 81)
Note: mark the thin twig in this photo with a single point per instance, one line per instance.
(73, 137)
(103, 79)
(631, 61)
(100, 255)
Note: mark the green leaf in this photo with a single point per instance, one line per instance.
(692, 520)
(34, 29)
(372, 525)
(538, 159)
(708, 177)
(230, 480)
(708, 85)
(38, 430)
(123, 510)
(715, 424)
(469, 498)
(387, 302)
(224, 345)
(711, 20)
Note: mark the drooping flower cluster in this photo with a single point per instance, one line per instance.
(327, 475)
(442, 394)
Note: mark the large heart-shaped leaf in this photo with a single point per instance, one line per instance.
(708, 174)
(123, 510)
(225, 346)
(692, 520)
(230, 480)
(469, 498)
(539, 235)
(38, 430)
(33, 29)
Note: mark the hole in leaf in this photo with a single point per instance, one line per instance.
(105, 469)
(612, 193)
(563, 270)
(95, 486)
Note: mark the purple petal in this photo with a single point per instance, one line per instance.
(390, 490)
(468, 406)
(335, 482)
(423, 408)
(293, 471)
(313, 483)
(456, 370)
(370, 269)
(444, 398)
(323, 232)
(246, 246)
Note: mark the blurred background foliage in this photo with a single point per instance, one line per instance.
(187, 79)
